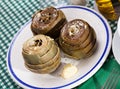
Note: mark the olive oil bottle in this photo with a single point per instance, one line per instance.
(109, 8)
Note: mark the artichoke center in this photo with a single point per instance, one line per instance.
(48, 15)
(73, 30)
(38, 42)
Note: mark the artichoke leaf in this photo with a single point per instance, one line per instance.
(46, 70)
(48, 63)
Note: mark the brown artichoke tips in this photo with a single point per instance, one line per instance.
(46, 16)
(48, 21)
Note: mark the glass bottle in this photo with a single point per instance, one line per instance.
(109, 8)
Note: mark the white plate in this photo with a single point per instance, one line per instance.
(86, 68)
(116, 46)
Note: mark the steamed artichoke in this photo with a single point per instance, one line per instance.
(41, 54)
(48, 21)
(78, 39)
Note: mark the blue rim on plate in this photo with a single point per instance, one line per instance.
(64, 7)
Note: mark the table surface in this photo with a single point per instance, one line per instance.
(14, 14)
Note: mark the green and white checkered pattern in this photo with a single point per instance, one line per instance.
(13, 14)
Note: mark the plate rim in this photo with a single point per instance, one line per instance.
(116, 34)
(95, 68)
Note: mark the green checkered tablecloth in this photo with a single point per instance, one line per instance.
(14, 14)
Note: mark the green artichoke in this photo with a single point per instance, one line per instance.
(41, 53)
